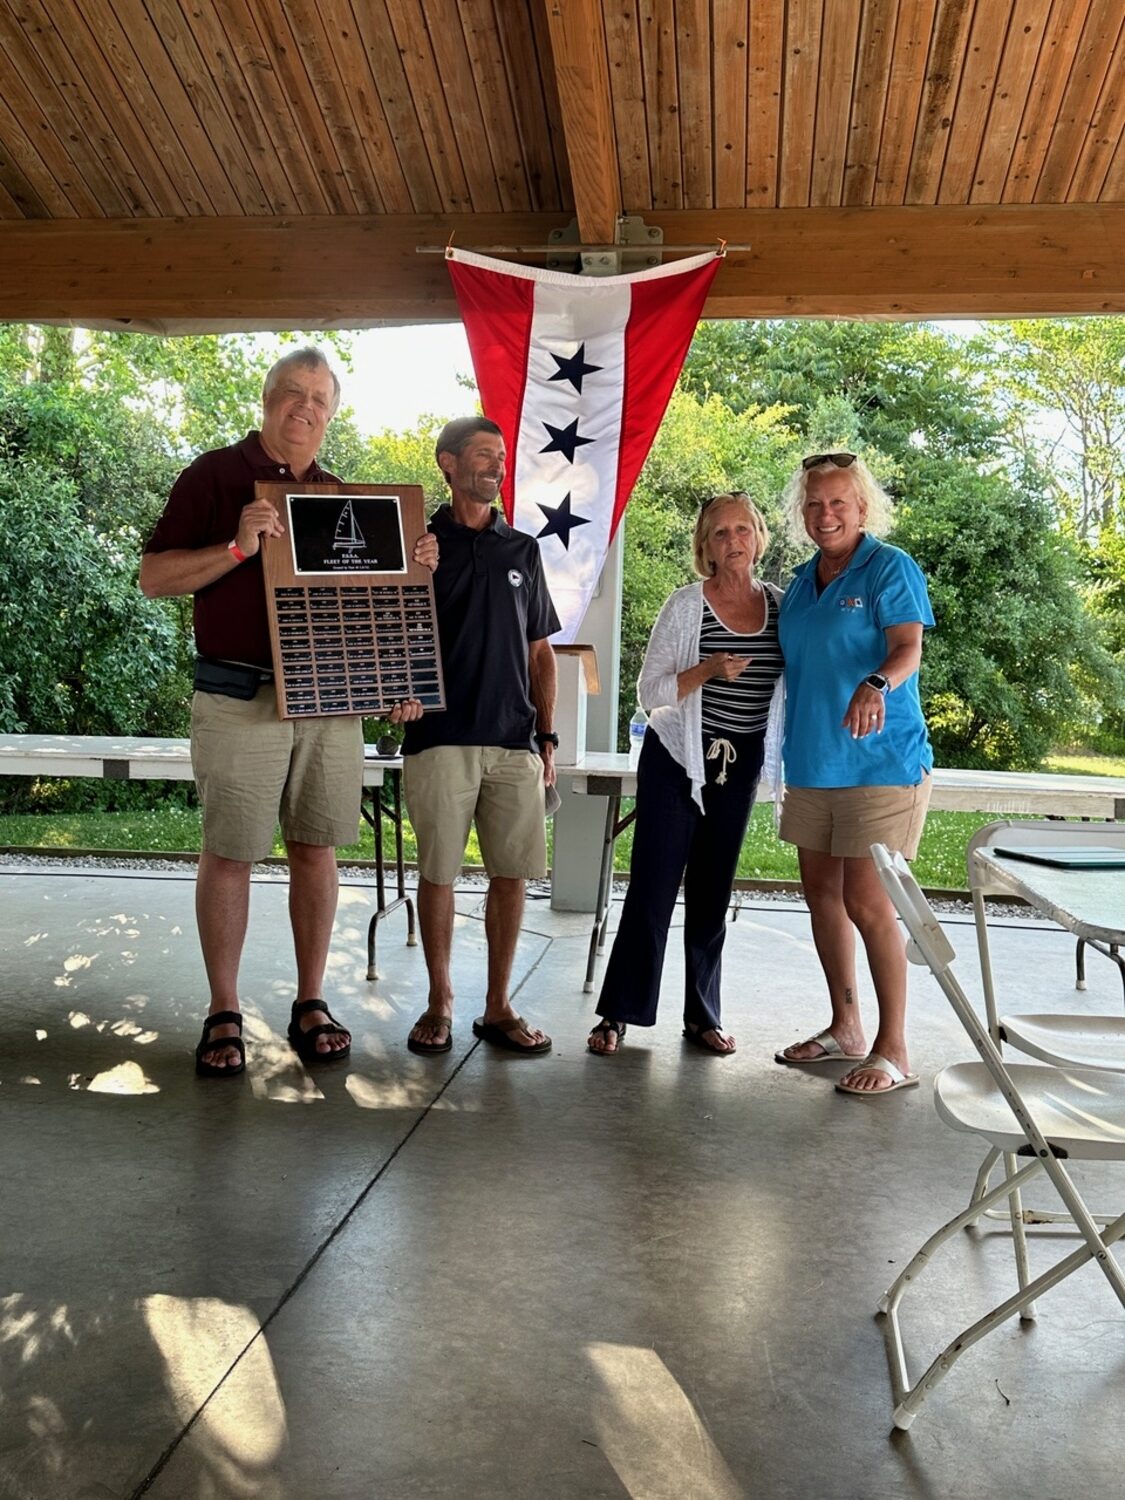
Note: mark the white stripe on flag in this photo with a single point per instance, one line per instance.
(561, 324)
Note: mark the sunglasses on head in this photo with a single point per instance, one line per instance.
(734, 495)
(841, 460)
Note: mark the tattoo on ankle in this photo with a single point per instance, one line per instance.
(848, 997)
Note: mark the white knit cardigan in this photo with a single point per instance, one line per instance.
(678, 722)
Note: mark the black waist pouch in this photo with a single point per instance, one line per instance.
(230, 679)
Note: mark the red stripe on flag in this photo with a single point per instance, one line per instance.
(662, 320)
(497, 312)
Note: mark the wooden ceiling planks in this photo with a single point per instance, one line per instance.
(764, 106)
(627, 94)
(662, 101)
(473, 110)
(1092, 59)
(694, 52)
(535, 105)
(394, 161)
(34, 50)
(436, 93)
(484, 66)
(869, 100)
(944, 66)
(1048, 85)
(1105, 123)
(183, 83)
(983, 53)
(904, 98)
(311, 125)
(839, 51)
(133, 89)
(729, 72)
(801, 83)
(1022, 46)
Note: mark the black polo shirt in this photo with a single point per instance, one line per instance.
(204, 507)
(491, 600)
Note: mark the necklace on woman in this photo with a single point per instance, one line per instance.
(832, 571)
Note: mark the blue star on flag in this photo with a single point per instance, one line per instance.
(564, 440)
(560, 522)
(574, 368)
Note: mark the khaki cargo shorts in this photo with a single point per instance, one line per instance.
(449, 786)
(847, 820)
(253, 770)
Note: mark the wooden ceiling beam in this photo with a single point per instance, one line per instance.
(581, 68)
(900, 262)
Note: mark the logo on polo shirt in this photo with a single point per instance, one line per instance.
(515, 577)
(851, 601)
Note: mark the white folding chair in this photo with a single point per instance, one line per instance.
(1035, 1113)
(1064, 1040)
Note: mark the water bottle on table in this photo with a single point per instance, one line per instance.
(637, 726)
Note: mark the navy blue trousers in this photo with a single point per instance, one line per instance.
(674, 841)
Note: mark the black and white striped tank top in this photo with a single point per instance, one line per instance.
(741, 706)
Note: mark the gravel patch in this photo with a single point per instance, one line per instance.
(276, 871)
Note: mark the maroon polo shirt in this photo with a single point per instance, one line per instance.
(204, 507)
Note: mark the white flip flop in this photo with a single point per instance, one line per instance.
(877, 1064)
(833, 1052)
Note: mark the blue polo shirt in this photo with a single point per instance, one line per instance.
(831, 643)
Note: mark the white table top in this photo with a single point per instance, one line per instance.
(602, 774)
(126, 759)
(1089, 903)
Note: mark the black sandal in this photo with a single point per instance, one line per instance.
(603, 1028)
(304, 1042)
(212, 1070)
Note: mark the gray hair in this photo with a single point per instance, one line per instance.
(307, 358)
(876, 503)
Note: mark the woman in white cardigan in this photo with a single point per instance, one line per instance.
(712, 664)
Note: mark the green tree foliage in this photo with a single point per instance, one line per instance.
(93, 430)
(1073, 368)
(702, 449)
(1015, 656)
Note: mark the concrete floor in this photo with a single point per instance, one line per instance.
(496, 1277)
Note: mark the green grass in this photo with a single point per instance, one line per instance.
(170, 829)
(1084, 763)
(940, 862)
(941, 858)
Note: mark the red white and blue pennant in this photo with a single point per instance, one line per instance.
(577, 372)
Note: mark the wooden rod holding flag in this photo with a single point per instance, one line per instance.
(720, 247)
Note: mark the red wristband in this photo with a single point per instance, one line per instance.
(239, 555)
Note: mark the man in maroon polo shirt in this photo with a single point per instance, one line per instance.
(253, 769)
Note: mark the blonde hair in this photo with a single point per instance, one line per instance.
(705, 519)
(875, 502)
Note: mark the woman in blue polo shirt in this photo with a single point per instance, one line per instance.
(857, 756)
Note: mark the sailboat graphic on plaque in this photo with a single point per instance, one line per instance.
(348, 534)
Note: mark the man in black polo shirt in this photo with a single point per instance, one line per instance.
(476, 761)
(249, 766)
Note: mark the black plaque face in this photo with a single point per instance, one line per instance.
(345, 534)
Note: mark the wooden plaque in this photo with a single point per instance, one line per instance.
(352, 619)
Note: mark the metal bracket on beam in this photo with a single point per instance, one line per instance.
(640, 248)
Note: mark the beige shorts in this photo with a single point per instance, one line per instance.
(847, 820)
(449, 786)
(253, 770)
